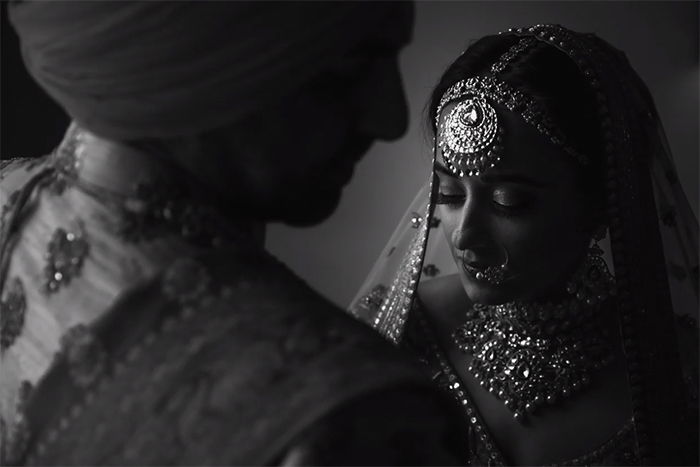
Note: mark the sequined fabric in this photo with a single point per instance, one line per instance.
(64, 257)
(395, 306)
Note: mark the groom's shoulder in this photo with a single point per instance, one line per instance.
(279, 353)
(267, 284)
(225, 361)
(265, 306)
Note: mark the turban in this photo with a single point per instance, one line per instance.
(133, 70)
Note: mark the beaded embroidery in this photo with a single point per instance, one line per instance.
(15, 433)
(12, 311)
(416, 220)
(390, 319)
(371, 303)
(185, 281)
(65, 255)
(86, 358)
(67, 160)
(7, 211)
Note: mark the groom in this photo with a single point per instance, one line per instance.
(211, 351)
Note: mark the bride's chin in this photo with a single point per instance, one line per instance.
(484, 293)
(489, 294)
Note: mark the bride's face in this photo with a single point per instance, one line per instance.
(528, 210)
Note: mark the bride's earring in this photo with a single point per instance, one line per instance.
(592, 283)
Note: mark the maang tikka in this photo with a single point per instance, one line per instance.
(471, 136)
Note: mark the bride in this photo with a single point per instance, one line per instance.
(575, 252)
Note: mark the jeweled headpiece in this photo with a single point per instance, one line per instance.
(470, 138)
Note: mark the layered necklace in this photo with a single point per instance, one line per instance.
(483, 448)
(534, 354)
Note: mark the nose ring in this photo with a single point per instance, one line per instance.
(494, 274)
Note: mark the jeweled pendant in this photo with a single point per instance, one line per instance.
(525, 370)
(468, 135)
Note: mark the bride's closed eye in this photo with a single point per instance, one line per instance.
(449, 199)
(450, 191)
(511, 198)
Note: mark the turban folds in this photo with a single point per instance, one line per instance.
(131, 70)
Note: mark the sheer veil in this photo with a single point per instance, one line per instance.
(652, 244)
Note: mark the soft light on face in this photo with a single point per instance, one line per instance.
(528, 210)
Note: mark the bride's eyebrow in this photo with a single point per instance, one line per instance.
(514, 178)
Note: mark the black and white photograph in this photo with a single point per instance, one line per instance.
(333, 232)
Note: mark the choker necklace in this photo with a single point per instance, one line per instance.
(528, 359)
(534, 354)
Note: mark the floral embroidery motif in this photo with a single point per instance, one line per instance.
(65, 255)
(370, 304)
(4, 164)
(85, 356)
(160, 207)
(431, 270)
(416, 220)
(7, 164)
(154, 206)
(186, 281)
(143, 211)
(14, 435)
(668, 216)
(66, 161)
(27, 163)
(12, 310)
(7, 209)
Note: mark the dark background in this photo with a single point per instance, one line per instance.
(31, 122)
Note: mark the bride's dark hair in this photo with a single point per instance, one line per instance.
(555, 81)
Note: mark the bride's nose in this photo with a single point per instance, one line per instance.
(470, 229)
